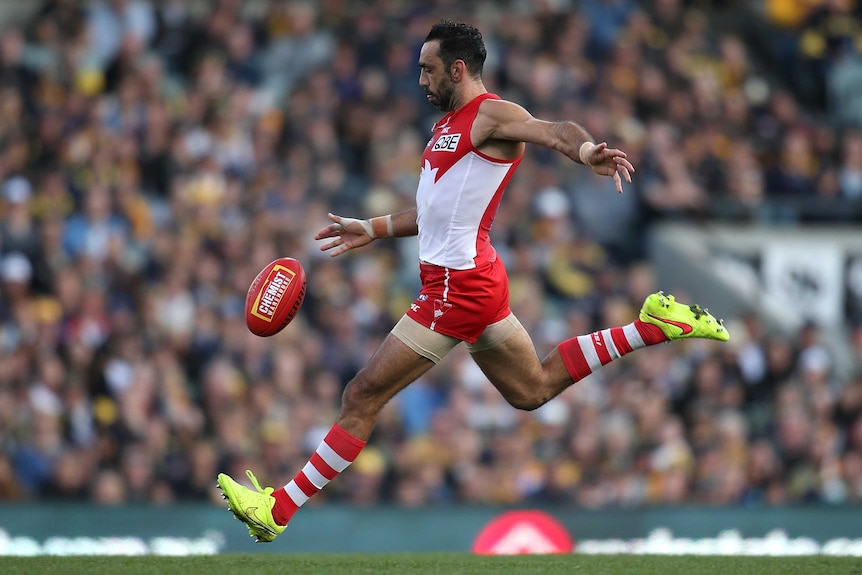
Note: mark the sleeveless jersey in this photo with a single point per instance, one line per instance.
(459, 192)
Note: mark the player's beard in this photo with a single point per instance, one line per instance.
(443, 99)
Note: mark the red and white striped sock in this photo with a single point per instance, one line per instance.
(337, 451)
(585, 354)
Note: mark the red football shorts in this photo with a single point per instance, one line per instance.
(461, 303)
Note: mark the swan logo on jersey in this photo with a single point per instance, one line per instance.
(446, 143)
(440, 307)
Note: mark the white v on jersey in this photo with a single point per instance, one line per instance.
(459, 192)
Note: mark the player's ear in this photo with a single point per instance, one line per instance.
(458, 70)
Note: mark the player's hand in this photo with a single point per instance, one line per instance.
(610, 162)
(348, 233)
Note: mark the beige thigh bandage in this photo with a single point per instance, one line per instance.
(495, 334)
(427, 343)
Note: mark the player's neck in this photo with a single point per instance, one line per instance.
(469, 92)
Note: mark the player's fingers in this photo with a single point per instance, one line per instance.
(330, 245)
(331, 230)
(624, 171)
(339, 223)
(622, 162)
(339, 250)
(619, 182)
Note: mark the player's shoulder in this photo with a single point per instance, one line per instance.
(499, 110)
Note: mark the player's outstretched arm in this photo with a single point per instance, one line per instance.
(349, 233)
(504, 120)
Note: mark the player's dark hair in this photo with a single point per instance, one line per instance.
(459, 41)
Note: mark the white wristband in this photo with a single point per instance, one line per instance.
(584, 150)
(381, 226)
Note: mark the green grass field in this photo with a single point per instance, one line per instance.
(443, 564)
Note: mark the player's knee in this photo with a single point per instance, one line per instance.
(526, 401)
(354, 396)
(359, 396)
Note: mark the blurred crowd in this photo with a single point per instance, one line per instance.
(155, 155)
(816, 47)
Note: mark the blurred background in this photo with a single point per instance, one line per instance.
(155, 154)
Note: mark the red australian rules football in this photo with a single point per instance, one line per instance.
(274, 297)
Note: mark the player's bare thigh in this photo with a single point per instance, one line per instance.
(428, 343)
(510, 362)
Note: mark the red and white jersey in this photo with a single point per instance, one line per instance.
(459, 191)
